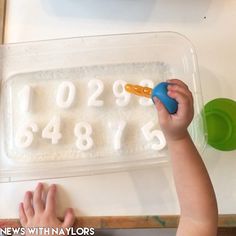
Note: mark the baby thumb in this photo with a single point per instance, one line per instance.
(69, 218)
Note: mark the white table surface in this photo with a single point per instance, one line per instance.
(145, 191)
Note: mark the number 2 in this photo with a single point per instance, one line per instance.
(99, 89)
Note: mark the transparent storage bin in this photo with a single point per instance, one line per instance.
(64, 111)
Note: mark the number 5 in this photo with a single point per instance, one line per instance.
(150, 135)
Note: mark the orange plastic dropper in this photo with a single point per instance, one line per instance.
(139, 90)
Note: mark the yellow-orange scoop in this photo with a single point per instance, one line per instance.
(139, 90)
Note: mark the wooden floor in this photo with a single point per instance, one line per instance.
(227, 226)
(2, 19)
(226, 232)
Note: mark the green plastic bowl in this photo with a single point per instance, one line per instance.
(221, 123)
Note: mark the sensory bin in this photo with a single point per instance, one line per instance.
(65, 112)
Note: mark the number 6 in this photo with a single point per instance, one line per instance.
(24, 136)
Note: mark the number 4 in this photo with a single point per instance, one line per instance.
(52, 130)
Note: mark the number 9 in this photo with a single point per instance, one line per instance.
(123, 98)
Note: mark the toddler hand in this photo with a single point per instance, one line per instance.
(36, 212)
(174, 126)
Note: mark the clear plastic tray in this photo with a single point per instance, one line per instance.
(64, 111)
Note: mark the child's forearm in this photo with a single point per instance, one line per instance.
(195, 192)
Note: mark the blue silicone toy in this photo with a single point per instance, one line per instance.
(160, 91)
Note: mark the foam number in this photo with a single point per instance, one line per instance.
(25, 136)
(99, 87)
(25, 98)
(119, 134)
(146, 101)
(150, 135)
(65, 94)
(122, 97)
(52, 130)
(83, 131)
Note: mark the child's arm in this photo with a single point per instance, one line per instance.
(195, 192)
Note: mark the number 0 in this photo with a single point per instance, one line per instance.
(65, 94)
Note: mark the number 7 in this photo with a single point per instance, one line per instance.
(118, 135)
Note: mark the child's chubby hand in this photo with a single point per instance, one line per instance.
(174, 126)
(39, 210)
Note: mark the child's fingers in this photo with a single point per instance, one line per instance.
(28, 208)
(180, 97)
(51, 199)
(184, 103)
(160, 107)
(183, 90)
(22, 216)
(69, 218)
(163, 114)
(178, 82)
(37, 198)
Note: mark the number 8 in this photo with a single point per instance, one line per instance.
(83, 131)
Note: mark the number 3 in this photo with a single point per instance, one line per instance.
(146, 101)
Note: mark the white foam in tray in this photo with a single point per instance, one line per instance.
(82, 113)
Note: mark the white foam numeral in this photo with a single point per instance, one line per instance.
(25, 136)
(52, 130)
(65, 94)
(150, 135)
(122, 97)
(25, 98)
(119, 134)
(98, 84)
(146, 101)
(83, 131)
